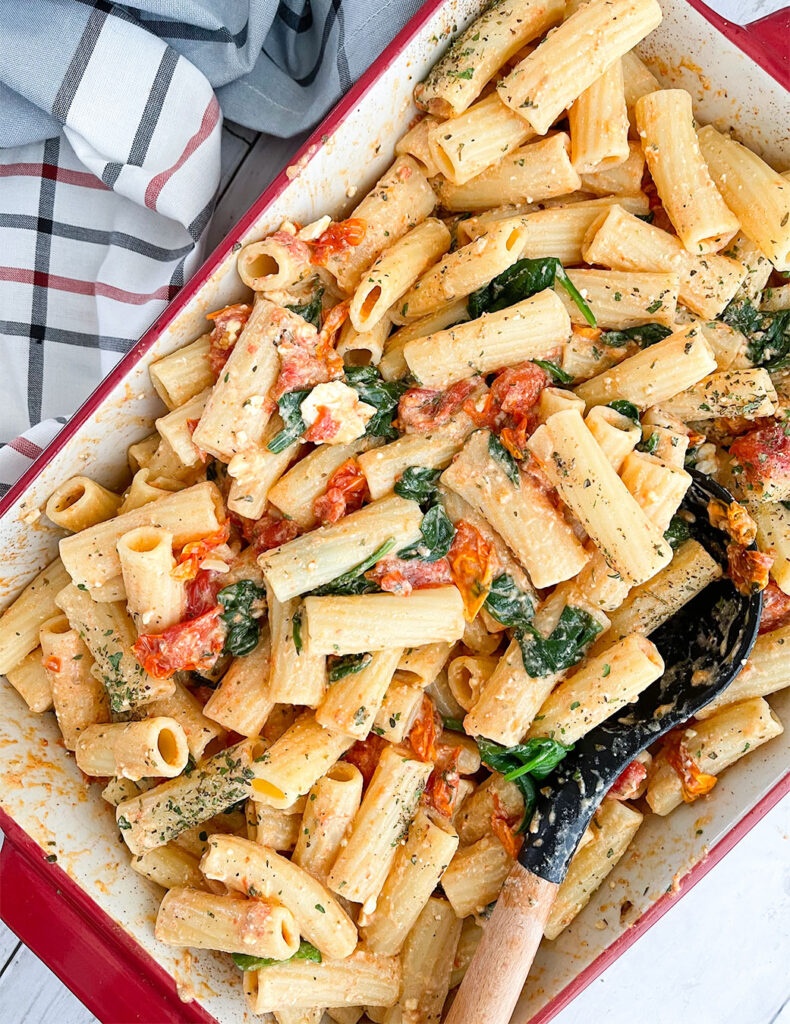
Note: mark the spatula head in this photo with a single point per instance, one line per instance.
(704, 646)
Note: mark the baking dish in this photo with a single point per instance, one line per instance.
(66, 887)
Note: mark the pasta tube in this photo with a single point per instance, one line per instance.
(756, 194)
(351, 704)
(381, 823)
(598, 122)
(376, 622)
(614, 826)
(598, 690)
(328, 812)
(399, 200)
(531, 173)
(81, 502)
(416, 870)
(246, 867)
(109, 634)
(765, 672)
(395, 271)
(530, 329)
(360, 979)
(620, 299)
(171, 867)
(571, 58)
(182, 374)
(91, 556)
(773, 534)
(747, 393)
(153, 748)
(693, 203)
(489, 43)
(475, 875)
(574, 462)
(158, 815)
(204, 920)
(154, 598)
(521, 513)
(31, 681)
(187, 710)
(427, 962)
(712, 745)
(243, 700)
(239, 407)
(621, 241)
(22, 619)
(655, 374)
(290, 767)
(78, 697)
(319, 557)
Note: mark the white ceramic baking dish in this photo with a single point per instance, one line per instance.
(87, 914)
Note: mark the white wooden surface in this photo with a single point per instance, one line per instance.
(720, 957)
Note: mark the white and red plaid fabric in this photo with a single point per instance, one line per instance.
(111, 127)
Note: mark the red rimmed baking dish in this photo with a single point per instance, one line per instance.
(87, 915)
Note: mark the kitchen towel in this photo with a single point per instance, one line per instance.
(110, 125)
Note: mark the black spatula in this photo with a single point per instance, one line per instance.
(704, 647)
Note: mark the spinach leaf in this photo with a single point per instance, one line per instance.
(508, 604)
(648, 445)
(648, 217)
(453, 724)
(310, 311)
(353, 581)
(383, 395)
(627, 409)
(348, 665)
(419, 484)
(554, 371)
(293, 424)
(573, 634)
(243, 629)
(297, 632)
(306, 951)
(643, 334)
(521, 280)
(767, 333)
(437, 536)
(677, 532)
(522, 764)
(498, 452)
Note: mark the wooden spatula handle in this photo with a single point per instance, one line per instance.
(496, 975)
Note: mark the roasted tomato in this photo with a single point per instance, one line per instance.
(228, 324)
(763, 456)
(425, 731)
(190, 646)
(472, 564)
(402, 575)
(346, 492)
(441, 791)
(776, 609)
(733, 519)
(509, 406)
(337, 239)
(202, 592)
(192, 555)
(423, 409)
(693, 780)
(628, 783)
(270, 532)
(503, 828)
(366, 754)
(308, 357)
(324, 428)
(52, 663)
(747, 569)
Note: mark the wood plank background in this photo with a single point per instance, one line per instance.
(720, 957)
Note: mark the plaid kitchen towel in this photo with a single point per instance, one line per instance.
(110, 122)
